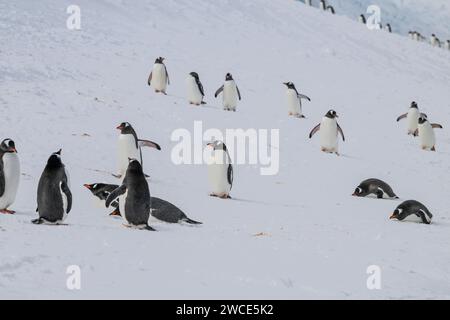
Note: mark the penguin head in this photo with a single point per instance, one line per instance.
(289, 84)
(194, 75)
(332, 114)
(358, 192)
(55, 159)
(422, 119)
(228, 77)
(8, 146)
(217, 145)
(94, 186)
(159, 60)
(125, 128)
(414, 105)
(134, 165)
(399, 213)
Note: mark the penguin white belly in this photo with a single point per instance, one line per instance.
(127, 149)
(193, 93)
(413, 120)
(218, 174)
(65, 204)
(11, 168)
(294, 106)
(230, 95)
(328, 135)
(427, 136)
(122, 206)
(159, 77)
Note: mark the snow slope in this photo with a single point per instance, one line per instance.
(70, 89)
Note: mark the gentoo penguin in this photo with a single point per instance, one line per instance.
(447, 44)
(412, 210)
(159, 77)
(54, 199)
(134, 197)
(388, 28)
(323, 5)
(9, 175)
(102, 192)
(435, 42)
(161, 209)
(329, 130)
(220, 171)
(426, 133)
(331, 9)
(130, 147)
(362, 19)
(294, 100)
(376, 187)
(412, 117)
(230, 94)
(195, 90)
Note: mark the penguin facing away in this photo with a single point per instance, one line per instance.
(435, 42)
(134, 198)
(9, 175)
(376, 187)
(412, 211)
(129, 146)
(294, 100)
(412, 118)
(329, 130)
(230, 93)
(102, 192)
(195, 90)
(425, 131)
(220, 170)
(159, 77)
(54, 198)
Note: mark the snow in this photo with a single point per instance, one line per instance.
(295, 235)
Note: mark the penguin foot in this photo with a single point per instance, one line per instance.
(221, 196)
(164, 93)
(157, 91)
(115, 213)
(37, 221)
(6, 211)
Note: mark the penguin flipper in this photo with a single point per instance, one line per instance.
(314, 131)
(230, 175)
(148, 143)
(167, 74)
(238, 92)
(436, 126)
(115, 194)
(340, 131)
(403, 116)
(66, 190)
(2, 179)
(150, 78)
(302, 96)
(218, 91)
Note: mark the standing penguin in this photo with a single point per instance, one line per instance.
(329, 130)
(159, 77)
(412, 117)
(323, 5)
(134, 197)
(413, 211)
(426, 133)
(195, 90)
(294, 100)
(130, 147)
(447, 44)
(220, 171)
(9, 175)
(435, 42)
(388, 28)
(230, 94)
(54, 198)
(362, 19)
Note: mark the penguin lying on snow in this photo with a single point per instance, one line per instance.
(161, 209)
(329, 130)
(159, 77)
(412, 210)
(425, 131)
(9, 175)
(54, 198)
(376, 187)
(294, 100)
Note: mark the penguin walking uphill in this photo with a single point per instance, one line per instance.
(294, 100)
(220, 170)
(159, 77)
(376, 187)
(130, 147)
(329, 130)
(9, 175)
(54, 198)
(425, 131)
(230, 93)
(195, 90)
(134, 197)
(412, 211)
(412, 118)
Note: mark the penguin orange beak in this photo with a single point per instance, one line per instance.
(354, 194)
(393, 216)
(87, 186)
(119, 127)
(13, 150)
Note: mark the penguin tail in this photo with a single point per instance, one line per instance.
(148, 228)
(190, 221)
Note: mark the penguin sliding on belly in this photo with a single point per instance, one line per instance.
(294, 100)
(9, 175)
(134, 197)
(412, 211)
(425, 131)
(130, 147)
(220, 171)
(195, 90)
(230, 93)
(376, 187)
(161, 209)
(329, 130)
(159, 77)
(54, 198)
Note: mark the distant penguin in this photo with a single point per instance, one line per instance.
(54, 198)
(362, 19)
(425, 131)
(331, 9)
(412, 118)
(102, 192)
(308, 2)
(376, 187)
(388, 28)
(329, 130)
(413, 211)
(130, 147)
(195, 90)
(9, 175)
(159, 77)
(323, 5)
(435, 42)
(294, 100)
(134, 197)
(447, 44)
(411, 35)
(230, 93)
(220, 170)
